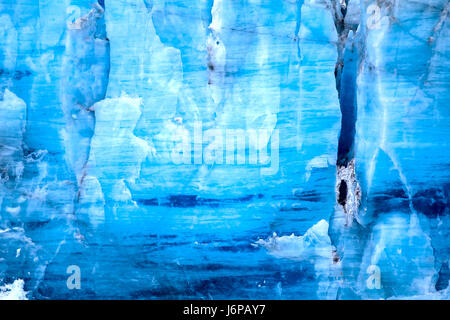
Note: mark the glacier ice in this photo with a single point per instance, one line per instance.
(13, 291)
(315, 246)
(117, 121)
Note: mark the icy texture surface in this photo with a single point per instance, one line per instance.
(116, 123)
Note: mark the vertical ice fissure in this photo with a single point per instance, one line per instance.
(348, 192)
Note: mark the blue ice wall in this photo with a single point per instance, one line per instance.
(218, 149)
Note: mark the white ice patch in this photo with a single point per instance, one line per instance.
(216, 12)
(13, 291)
(314, 246)
(13, 210)
(92, 200)
(322, 161)
(314, 243)
(116, 153)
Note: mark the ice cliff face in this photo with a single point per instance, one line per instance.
(156, 144)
